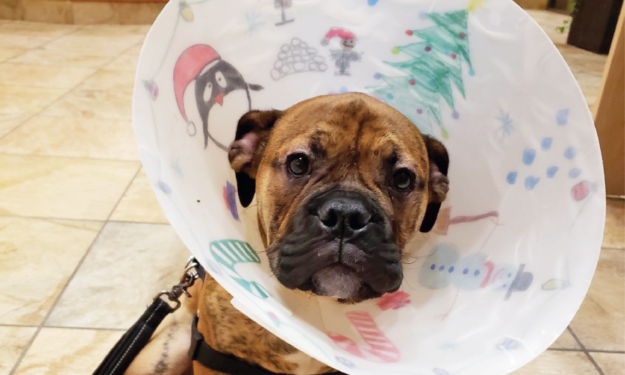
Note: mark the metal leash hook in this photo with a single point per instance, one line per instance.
(186, 281)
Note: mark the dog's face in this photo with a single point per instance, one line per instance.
(342, 183)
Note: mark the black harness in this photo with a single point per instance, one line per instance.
(136, 338)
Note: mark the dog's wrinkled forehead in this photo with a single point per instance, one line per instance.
(352, 131)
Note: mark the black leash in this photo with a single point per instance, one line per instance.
(136, 338)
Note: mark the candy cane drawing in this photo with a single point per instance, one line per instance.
(378, 347)
(229, 253)
(395, 300)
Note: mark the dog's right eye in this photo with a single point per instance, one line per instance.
(298, 165)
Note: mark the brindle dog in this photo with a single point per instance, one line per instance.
(342, 183)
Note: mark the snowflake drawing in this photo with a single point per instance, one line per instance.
(507, 125)
(253, 21)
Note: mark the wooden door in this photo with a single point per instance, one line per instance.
(610, 115)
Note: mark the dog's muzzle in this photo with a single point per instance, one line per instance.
(339, 243)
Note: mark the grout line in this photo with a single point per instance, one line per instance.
(71, 157)
(38, 46)
(606, 351)
(69, 280)
(565, 350)
(67, 93)
(613, 248)
(104, 221)
(581, 345)
(61, 327)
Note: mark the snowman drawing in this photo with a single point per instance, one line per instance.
(445, 268)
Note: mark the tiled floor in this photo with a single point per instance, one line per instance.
(84, 244)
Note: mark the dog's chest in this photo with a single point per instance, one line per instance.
(228, 330)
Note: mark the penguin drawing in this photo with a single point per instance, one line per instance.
(215, 81)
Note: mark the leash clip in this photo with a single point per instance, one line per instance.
(186, 281)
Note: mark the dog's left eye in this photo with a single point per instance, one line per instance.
(403, 180)
(298, 164)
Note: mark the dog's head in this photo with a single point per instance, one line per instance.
(342, 183)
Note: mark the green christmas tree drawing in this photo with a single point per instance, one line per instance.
(435, 64)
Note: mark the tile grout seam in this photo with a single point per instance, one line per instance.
(588, 355)
(9, 325)
(103, 221)
(69, 280)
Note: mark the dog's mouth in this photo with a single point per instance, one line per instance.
(342, 282)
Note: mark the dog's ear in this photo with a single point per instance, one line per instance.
(439, 183)
(247, 149)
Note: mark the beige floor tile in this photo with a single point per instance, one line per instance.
(53, 249)
(610, 363)
(17, 99)
(42, 76)
(72, 136)
(14, 341)
(565, 341)
(10, 40)
(108, 105)
(128, 264)
(109, 46)
(126, 31)
(127, 61)
(139, 203)
(8, 53)
(67, 351)
(614, 235)
(65, 188)
(10, 121)
(559, 363)
(50, 30)
(600, 323)
(110, 80)
(55, 56)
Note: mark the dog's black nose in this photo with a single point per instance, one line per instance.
(344, 213)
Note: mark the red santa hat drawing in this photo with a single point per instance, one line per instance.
(345, 36)
(188, 66)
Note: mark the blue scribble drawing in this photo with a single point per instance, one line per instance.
(175, 166)
(562, 117)
(545, 143)
(551, 171)
(529, 154)
(164, 187)
(342, 90)
(511, 177)
(212, 267)
(507, 125)
(440, 371)
(253, 22)
(230, 199)
(575, 172)
(508, 344)
(570, 153)
(372, 3)
(346, 362)
(449, 346)
(531, 182)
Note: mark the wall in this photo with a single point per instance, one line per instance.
(82, 12)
